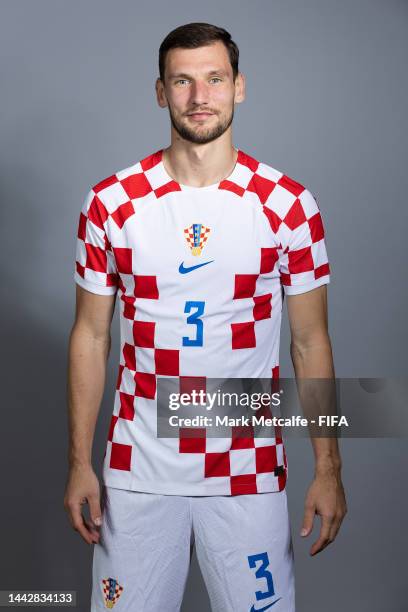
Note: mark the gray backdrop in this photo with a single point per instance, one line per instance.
(326, 103)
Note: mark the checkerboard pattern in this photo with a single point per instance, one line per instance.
(248, 456)
(131, 240)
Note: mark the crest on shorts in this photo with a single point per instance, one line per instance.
(112, 590)
(196, 236)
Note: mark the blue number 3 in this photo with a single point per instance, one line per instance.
(262, 572)
(194, 319)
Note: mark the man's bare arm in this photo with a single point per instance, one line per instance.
(89, 346)
(312, 358)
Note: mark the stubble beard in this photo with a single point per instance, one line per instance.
(205, 135)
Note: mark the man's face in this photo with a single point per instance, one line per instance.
(200, 92)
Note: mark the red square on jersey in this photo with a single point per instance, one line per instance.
(143, 333)
(167, 362)
(217, 464)
(266, 460)
(300, 261)
(188, 384)
(146, 287)
(121, 455)
(243, 335)
(263, 187)
(244, 285)
(242, 437)
(136, 185)
(243, 484)
(263, 307)
(112, 427)
(145, 385)
(122, 213)
(192, 440)
(316, 227)
(127, 408)
(123, 259)
(269, 257)
(96, 258)
(129, 356)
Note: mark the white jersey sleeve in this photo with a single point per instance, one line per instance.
(95, 264)
(304, 263)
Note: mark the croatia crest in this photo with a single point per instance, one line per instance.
(112, 590)
(196, 236)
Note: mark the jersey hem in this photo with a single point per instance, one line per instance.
(94, 287)
(297, 289)
(190, 490)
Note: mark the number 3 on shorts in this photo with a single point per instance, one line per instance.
(194, 319)
(262, 572)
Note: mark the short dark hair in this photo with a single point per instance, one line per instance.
(198, 34)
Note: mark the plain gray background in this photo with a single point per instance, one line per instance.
(326, 104)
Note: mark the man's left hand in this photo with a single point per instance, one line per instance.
(326, 498)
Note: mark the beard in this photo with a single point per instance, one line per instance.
(205, 135)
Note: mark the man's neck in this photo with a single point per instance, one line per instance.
(199, 165)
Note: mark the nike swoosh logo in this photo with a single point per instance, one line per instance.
(184, 270)
(253, 609)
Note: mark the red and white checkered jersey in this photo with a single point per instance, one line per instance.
(200, 274)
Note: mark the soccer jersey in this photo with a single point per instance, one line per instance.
(200, 273)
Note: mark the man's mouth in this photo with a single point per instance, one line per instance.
(200, 116)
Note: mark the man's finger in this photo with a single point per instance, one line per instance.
(78, 522)
(307, 526)
(95, 510)
(94, 531)
(335, 527)
(83, 530)
(324, 536)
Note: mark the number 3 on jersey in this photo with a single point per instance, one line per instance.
(194, 319)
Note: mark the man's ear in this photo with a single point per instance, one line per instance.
(240, 85)
(160, 93)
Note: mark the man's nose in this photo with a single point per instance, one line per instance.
(199, 93)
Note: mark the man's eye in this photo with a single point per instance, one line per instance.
(215, 79)
(181, 81)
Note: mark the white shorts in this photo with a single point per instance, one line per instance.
(243, 545)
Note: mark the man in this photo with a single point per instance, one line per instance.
(201, 241)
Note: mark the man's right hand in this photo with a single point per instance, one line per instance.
(83, 488)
